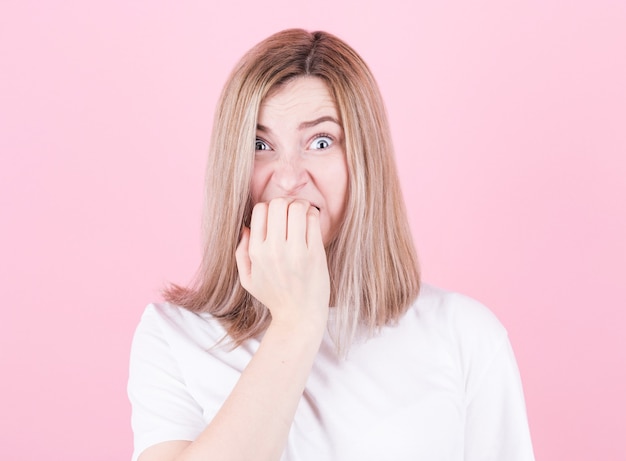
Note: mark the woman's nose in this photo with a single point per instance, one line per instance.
(290, 175)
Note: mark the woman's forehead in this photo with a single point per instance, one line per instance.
(303, 97)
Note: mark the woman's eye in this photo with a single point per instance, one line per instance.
(261, 145)
(321, 142)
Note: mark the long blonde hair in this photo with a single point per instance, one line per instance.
(372, 262)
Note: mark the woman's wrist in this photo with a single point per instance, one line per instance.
(299, 327)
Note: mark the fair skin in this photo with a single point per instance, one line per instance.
(299, 187)
(299, 151)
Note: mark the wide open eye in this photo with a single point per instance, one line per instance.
(259, 144)
(321, 142)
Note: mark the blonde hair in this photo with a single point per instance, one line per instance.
(372, 262)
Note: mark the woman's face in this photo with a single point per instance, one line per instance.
(300, 151)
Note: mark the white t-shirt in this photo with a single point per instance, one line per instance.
(442, 385)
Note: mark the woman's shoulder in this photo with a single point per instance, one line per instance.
(174, 324)
(451, 305)
(456, 314)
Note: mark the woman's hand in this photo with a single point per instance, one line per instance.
(282, 261)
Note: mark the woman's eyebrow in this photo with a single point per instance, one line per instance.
(326, 118)
(304, 125)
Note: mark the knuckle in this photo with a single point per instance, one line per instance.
(254, 252)
(299, 205)
(259, 207)
(279, 202)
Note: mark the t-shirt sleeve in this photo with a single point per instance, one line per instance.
(496, 422)
(162, 408)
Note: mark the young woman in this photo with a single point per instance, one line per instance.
(307, 335)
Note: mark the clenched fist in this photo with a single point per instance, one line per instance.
(282, 261)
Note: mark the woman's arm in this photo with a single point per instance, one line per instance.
(496, 425)
(281, 261)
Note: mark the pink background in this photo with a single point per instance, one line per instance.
(509, 120)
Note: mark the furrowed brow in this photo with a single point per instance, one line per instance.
(303, 125)
(317, 121)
